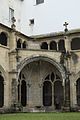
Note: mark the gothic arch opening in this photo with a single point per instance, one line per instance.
(44, 45)
(47, 93)
(18, 92)
(53, 45)
(23, 93)
(39, 75)
(52, 76)
(58, 94)
(24, 44)
(1, 91)
(75, 43)
(61, 45)
(3, 39)
(78, 91)
(19, 43)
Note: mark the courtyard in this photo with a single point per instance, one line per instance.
(41, 116)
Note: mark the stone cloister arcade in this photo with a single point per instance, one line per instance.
(39, 72)
(41, 84)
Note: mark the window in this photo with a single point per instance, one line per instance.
(53, 45)
(31, 21)
(11, 14)
(47, 93)
(19, 43)
(24, 44)
(61, 45)
(39, 2)
(3, 39)
(75, 43)
(44, 45)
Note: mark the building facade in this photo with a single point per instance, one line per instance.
(34, 17)
(40, 73)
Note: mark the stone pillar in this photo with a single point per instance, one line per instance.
(14, 93)
(28, 94)
(48, 46)
(57, 46)
(67, 43)
(67, 82)
(12, 40)
(53, 96)
(41, 93)
(73, 95)
(6, 93)
(67, 93)
(19, 92)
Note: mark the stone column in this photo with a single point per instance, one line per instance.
(20, 92)
(48, 46)
(12, 40)
(14, 93)
(67, 86)
(57, 46)
(67, 43)
(53, 96)
(73, 95)
(28, 93)
(41, 93)
(67, 93)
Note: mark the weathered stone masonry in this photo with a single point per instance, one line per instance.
(39, 73)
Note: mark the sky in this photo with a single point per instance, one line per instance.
(66, 10)
(54, 13)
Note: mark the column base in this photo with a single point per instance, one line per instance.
(66, 108)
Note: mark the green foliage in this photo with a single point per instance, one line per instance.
(41, 116)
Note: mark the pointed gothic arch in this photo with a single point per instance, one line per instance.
(1, 91)
(23, 93)
(61, 45)
(24, 44)
(75, 43)
(3, 38)
(47, 93)
(33, 67)
(58, 94)
(19, 43)
(35, 58)
(53, 45)
(44, 45)
(78, 91)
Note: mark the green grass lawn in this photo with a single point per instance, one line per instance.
(41, 116)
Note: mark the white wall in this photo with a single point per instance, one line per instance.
(49, 16)
(4, 12)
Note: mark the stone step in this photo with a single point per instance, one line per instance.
(33, 109)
